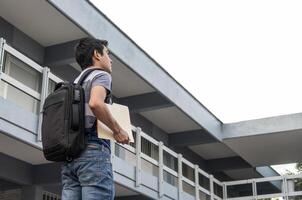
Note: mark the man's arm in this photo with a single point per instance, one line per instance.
(102, 113)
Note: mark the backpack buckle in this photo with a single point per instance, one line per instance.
(76, 95)
(69, 159)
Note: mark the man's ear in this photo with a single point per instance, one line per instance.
(96, 55)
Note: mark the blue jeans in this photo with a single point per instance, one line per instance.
(89, 177)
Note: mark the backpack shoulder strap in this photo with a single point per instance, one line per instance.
(85, 74)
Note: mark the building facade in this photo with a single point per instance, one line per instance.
(181, 150)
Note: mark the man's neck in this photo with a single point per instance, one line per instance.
(98, 67)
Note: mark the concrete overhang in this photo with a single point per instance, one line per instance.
(267, 141)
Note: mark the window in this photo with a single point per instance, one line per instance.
(27, 76)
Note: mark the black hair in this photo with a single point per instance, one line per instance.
(85, 48)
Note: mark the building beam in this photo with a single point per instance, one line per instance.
(15, 171)
(145, 102)
(190, 155)
(7, 185)
(221, 176)
(65, 72)
(189, 138)
(230, 163)
(267, 171)
(277, 124)
(22, 173)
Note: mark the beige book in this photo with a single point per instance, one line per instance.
(122, 116)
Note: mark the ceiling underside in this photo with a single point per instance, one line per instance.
(171, 120)
(242, 174)
(40, 21)
(126, 82)
(21, 151)
(213, 151)
(268, 149)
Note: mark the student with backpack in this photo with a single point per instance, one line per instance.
(86, 169)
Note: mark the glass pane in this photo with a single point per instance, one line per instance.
(204, 182)
(149, 149)
(240, 190)
(169, 178)
(188, 172)
(203, 196)
(22, 72)
(126, 155)
(188, 188)
(134, 138)
(149, 167)
(18, 97)
(51, 86)
(295, 198)
(170, 161)
(270, 187)
(218, 190)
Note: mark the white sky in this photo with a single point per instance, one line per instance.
(283, 169)
(241, 59)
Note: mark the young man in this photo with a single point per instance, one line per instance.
(90, 176)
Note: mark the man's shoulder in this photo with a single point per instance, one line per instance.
(98, 73)
(94, 74)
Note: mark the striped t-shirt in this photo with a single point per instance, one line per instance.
(101, 78)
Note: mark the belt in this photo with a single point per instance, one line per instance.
(92, 145)
(98, 146)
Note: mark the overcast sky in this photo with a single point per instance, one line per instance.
(285, 169)
(241, 59)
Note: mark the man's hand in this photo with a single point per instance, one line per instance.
(121, 137)
(100, 110)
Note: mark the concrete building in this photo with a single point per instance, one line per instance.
(182, 150)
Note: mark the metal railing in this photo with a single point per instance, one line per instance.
(170, 167)
(281, 187)
(162, 168)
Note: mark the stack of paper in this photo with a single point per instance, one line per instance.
(122, 116)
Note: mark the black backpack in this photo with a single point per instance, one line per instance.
(63, 124)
